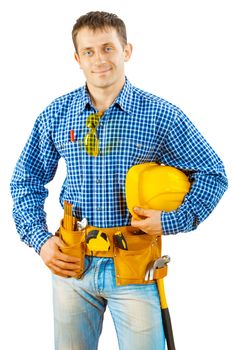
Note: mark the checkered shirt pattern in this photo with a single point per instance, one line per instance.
(137, 128)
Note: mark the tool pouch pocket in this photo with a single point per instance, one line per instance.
(75, 245)
(131, 264)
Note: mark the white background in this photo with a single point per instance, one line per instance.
(183, 53)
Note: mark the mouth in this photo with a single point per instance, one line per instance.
(102, 71)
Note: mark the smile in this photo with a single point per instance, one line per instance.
(102, 71)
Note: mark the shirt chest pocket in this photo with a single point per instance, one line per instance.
(135, 152)
(69, 150)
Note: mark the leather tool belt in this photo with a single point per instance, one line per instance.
(130, 265)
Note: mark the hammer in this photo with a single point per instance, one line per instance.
(157, 264)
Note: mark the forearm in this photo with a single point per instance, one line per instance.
(205, 193)
(28, 213)
(35, 168)
(186, 149)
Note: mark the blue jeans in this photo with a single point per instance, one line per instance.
(79, 306)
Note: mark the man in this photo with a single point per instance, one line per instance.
(132, 127)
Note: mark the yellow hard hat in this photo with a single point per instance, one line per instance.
(153, 186)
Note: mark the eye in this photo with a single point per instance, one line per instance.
(88, 53)
(108, 49)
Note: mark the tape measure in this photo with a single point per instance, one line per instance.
(97, 241)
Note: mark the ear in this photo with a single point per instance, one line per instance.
(128, 51)
(76, 56)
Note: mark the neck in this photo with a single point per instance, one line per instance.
(102, 98)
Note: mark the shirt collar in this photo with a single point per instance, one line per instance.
(83, 99)
(124, 99)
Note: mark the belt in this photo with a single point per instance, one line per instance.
(130, 265)
(110, 231)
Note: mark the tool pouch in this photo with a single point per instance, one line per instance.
(75, 245)
(131, 264)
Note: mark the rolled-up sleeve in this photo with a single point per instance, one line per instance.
(185, 148)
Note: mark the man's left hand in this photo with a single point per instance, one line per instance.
(150, 221)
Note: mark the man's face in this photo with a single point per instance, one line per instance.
(101, 56)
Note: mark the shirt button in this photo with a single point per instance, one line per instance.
(98, 181)
(98, 208)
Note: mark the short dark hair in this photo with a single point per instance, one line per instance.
(100, 20)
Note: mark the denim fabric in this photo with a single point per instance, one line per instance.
(79, 306)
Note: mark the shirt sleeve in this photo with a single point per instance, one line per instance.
(35, 168)
(185, 148)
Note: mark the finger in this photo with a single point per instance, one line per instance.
(67, 258)
(56, 268)
(142, 212)
(63, 273)
(66, 266)
(139, 223)
(59, 242)
(135, 223)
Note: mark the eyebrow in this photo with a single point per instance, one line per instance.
(86, 48)
(91, 47)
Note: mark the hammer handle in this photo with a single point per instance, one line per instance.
(167, 325)
(168, 329)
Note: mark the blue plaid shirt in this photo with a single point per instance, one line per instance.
(137, 128)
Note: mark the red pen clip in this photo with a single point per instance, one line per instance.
(72, 135)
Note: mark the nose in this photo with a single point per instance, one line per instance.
(99, 57)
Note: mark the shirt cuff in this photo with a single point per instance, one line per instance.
(170, 224)
(179, 220)
(38, 238)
